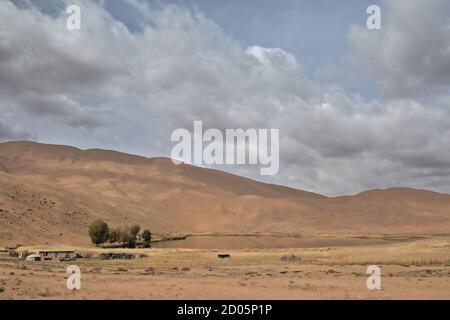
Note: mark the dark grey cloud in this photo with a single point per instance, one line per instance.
(59, 107)
(410, 56)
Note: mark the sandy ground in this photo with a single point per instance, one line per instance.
(416, 269)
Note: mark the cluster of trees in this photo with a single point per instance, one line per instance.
(129, 237)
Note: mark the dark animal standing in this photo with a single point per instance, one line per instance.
(223, 256)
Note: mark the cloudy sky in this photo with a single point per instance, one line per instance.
(357, 109)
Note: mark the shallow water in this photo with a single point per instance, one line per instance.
(263, 242)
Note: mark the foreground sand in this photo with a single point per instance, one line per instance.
(414, 269)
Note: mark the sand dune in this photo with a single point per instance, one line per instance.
(50, 193)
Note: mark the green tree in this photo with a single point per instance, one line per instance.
(128, 238)
(115, 235)
(99, 232)
(147, 237)
(134, 231)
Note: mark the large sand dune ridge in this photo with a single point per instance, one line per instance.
(50, 194)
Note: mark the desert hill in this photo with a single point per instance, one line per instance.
(50, 193)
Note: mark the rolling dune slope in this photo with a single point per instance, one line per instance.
(50, 194)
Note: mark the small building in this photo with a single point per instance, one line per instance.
(33, 257)
(22, 254)
(61, 255)
(14, 254)
(18, 254)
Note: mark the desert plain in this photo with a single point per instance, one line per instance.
(50, 194)
(412, 268)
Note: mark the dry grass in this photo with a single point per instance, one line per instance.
(411, 269)
(430, 251)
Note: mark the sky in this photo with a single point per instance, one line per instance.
(357, 109)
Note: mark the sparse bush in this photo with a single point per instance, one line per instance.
(46, 268)
(99, 232)
(87, 255)
(291, 258)
(45, 292)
